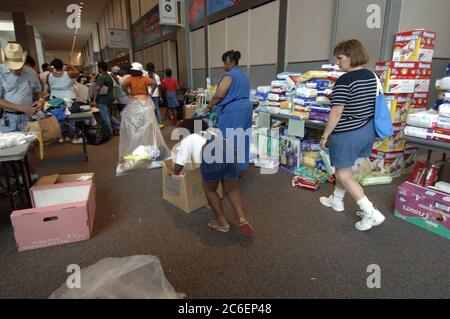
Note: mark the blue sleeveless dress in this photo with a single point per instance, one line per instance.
(235, 112)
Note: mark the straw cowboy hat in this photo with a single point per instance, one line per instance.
(13, 56)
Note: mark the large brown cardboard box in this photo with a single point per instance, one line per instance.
(189, 111)
(185, 191)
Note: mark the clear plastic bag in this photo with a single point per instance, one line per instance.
(134, 277)
(142, 145)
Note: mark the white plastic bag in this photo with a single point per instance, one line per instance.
(142, 145)
(134, 277)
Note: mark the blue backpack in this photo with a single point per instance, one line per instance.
(383, 118)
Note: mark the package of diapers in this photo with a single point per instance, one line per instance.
(420, 132)
(444, 110)
(425, 119)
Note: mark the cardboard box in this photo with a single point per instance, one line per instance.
(422, 86)
(399, 104)
(404, 76)
(424, 207)
(185, 191)
(415, 45)
(420, 100)
(290, 153)
(64, 210)
(389, 163)
(409, 158)
(393, 143)
(398, 77)
(424, 70)
(189, 111)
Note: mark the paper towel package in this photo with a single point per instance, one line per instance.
(64, 210)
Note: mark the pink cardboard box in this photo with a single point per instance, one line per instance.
(64, 210)
(424, 207)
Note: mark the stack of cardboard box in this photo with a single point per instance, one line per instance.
(406, 81)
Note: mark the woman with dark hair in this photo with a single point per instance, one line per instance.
(234, 109)
(351, 129)
(61, 82)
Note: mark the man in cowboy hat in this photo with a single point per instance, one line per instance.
(17, 85)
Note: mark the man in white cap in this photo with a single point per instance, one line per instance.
(17, 85)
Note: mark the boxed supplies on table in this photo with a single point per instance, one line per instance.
(441, 135)
(390, 163)
(290, 153)
(420, 100)
(63, 212)
(414, 45)
(424, 207)
(409, 158)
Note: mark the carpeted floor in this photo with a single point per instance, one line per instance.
(300, 249)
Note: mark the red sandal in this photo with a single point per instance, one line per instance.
(246, 229)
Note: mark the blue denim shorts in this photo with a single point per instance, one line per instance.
(347, 147)
(215, 172)
(221, 168)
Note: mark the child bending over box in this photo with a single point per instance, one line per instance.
(211, 151)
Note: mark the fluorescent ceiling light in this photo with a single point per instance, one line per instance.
(6, 25)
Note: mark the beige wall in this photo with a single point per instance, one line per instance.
(352, 24)
(198, 48)
(433, 15)
(264, 34)
(217, 44)
(309, 30)
(135, 10)
(238, 35)
(147, 5)
(63, 55)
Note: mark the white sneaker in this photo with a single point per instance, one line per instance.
(337, 205)
(63, 139)
(374, 218)
(77, 141)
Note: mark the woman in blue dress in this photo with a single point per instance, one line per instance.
(233, 107)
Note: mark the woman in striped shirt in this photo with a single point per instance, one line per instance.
(350, 129)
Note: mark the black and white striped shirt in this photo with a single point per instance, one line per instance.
(356, 91)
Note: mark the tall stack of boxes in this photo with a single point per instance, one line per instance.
(406, 81)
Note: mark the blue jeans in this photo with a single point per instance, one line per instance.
(108, 121)
(158, 114)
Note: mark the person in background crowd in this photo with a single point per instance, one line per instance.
(233, 106)
(155, 96)
(138, 85)
(30, 62)
(122, 96)
(170, 86)
(61, 82)
(43, 78)
(103, 97)
(351, 129)
(193, 150)
(17, 85)
(61, 86)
